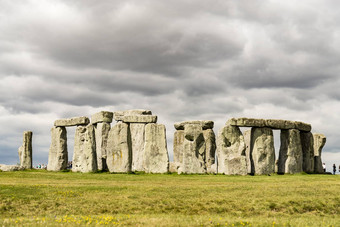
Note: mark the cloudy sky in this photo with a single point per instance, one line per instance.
(184, 60)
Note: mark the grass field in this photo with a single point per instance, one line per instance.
(41, 198)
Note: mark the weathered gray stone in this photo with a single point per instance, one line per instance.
(212, 169)
(137, 144)
(290, 156)
(178, 146)
(75, 121)
(119, 154)
(262, 152)
(58, 155)
(118, 115)
(84, 155)
(25, 151)
(307, 143)
(204, 124)
(319, 143)
(102, 133)
(246, 122)
(302, 126)
(172, 167)
(231, 151)
(279, 124)
(155, 158)
(9, 168)
(246, 136)
(139, 119)
(102, 116)
(193, 150)
(210, 148)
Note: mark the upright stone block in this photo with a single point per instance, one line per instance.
(58, 155)
(178, 148)
(25, 151)
(210, 149)
(137, 144)
(102, 133)
(307, 143)
(119, 149)
(155, 158)
(319, 143)
(84, 155)
(246, 136)
(290, 156)
(262, 152)
(231, 154)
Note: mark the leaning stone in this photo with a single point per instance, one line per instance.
(307, 143)
(102, 133)
(118, 115)
(9, 168)
(178, 146)
(204, 124)
(210, 148)
(231, 151)
(102, 116)
(193, 150)
(246, 136)
(319, 143)
(279, 124)
(75, 121)
(139, 119)
(58, 155)
(137, 144)
(290, 155)
(25, 151)
(303, 126)
(84, 155)
(262, 152)
(118, 151)
(155, 158)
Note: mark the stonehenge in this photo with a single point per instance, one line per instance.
(25, 151)
(137, 143)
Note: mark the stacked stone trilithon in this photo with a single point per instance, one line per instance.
(25, 151)
(194, 147)
(137, 143)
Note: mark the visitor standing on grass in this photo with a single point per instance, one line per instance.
(324, 167)
(334, 169)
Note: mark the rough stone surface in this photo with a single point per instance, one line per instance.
(231, 151)
(118, 115)
(307, 143)
(204, 124)
(75, 121)
(119, 154)
(178, 146)
(137, 144)
(139, 119)
(84, 155)
(173, 167)
(9, 168)
(262, 152)
(193, 150)
(246, 136)
(290, 155)
(279, 124)
(155, 158)
(210, 148)
(25, 151)
(213, 169)
(246, 122)
(58, 155)
(319, 143)
(102, 133)
(102, 116)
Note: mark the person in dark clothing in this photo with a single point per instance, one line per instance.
(334, 169)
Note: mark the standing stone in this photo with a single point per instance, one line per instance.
(290, 156)
(178, 148)
(84, 155)
(137, 143)
(119, 154)
(231, 151)
(102, 133)
(25, 151)
(307, 143)
(58, 155)
(210, 149)
(319, 143)
(246, 136)
(155, 158)
(193, 150)
(262, 152)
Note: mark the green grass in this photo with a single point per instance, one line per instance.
(43, 198)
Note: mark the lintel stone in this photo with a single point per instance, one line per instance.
(75, 121)
(102, 116)
(140, 119)
(204, 124)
